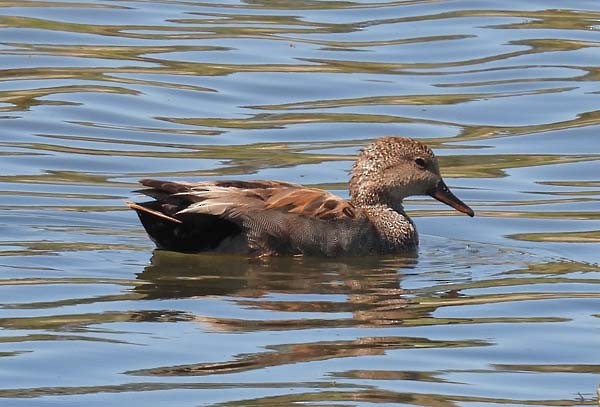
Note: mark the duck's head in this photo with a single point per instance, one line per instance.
(392, 168)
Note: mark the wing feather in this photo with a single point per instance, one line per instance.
(224, 199)
(272, 216)
(312, 202)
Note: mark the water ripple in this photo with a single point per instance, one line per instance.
(501, 309)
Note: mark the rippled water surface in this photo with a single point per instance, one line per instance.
(501, 309)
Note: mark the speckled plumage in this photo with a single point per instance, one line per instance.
(276, 218)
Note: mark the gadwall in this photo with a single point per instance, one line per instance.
(280, 218)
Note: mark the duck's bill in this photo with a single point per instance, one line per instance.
(443, 194)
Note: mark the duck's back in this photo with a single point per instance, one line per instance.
(254, 217)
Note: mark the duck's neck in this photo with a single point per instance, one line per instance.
(370, 194)
(396, 229)
(391, 204)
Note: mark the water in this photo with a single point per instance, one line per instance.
(501, 309)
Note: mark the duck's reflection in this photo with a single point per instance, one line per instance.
(370, 287)
(353, 292)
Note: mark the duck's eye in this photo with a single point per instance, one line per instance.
(420, 162)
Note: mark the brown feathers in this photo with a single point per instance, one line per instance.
(217, 198)
(310, 202)
(138, 207)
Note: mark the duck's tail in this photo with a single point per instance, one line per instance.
(190, 233)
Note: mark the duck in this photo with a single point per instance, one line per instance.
(274, 218)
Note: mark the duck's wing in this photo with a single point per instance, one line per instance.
(240, 198)
(268, 214)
